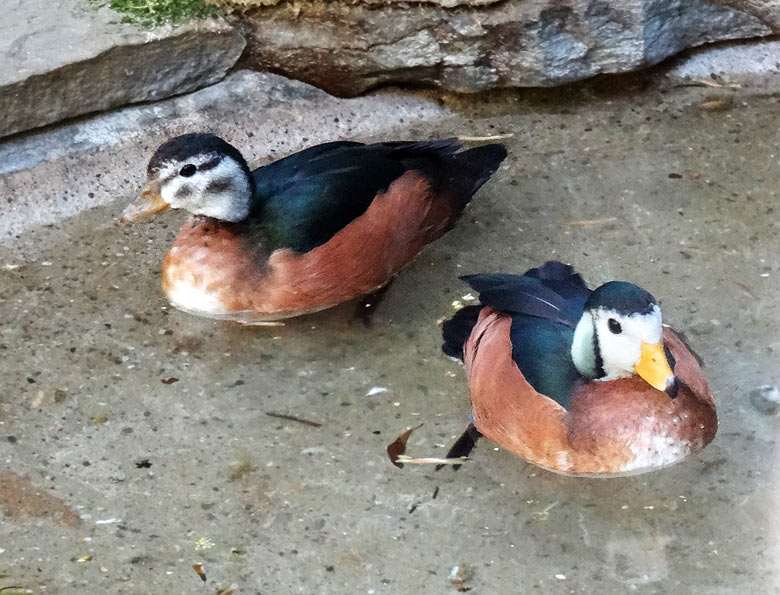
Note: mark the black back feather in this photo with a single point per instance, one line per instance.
(545, 304)
(457, 329)
(306, 198)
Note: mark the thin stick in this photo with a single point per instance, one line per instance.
(708, 83)
(430, 460)
(477, 139)
(300, 420)
(591, 222)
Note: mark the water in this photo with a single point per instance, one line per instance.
(104, 459)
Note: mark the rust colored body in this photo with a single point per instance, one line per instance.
(611, 427)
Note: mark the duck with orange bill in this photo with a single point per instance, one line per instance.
(578, 381)
(322, 226)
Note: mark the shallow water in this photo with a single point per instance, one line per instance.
(103, 459)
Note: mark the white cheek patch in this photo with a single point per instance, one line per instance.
(621, 352)
(222, 192)
(645, 327)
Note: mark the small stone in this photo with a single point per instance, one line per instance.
(766, 399)
(460, 574)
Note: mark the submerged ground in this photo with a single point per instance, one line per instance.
(135, 439)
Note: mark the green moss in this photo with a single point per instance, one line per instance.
(156, 12)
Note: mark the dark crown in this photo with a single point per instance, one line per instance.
(624, 298)
(184, 147)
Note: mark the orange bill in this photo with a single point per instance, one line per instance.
(149, 202)
(654, 368)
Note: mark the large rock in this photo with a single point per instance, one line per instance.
(348, 48)
(64, 58)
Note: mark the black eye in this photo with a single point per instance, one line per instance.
(614, 326)
(188, 170)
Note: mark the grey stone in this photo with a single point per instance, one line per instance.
(766, 399)
(349, 48)
(66, 58)
(58, 172)
(738, 62)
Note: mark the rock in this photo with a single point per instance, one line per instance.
(65, 58)
(743, 63)
(347, 48)
(766, 399)
(59, 172)
(459, 575)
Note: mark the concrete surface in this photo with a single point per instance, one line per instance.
(117, 478)
(64, 58)
(61, 171)
(349, 47)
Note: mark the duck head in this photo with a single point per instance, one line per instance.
(620, 334)
(200, 173)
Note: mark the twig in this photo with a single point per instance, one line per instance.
(587, 222)
(708, 83)
(300, 420)
(430, 460)
(477, 139)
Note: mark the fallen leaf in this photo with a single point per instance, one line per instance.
(198, 568)
(398, 446)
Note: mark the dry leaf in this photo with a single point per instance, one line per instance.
(398, 447)
(198, 568)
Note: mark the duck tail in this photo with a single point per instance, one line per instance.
(475, 166)
(457, 330)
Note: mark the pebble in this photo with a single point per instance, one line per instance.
(766, 399)
(461, 573)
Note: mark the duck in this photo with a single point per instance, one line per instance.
(577, 381)
(317, 228)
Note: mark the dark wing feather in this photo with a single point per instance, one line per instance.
(562, 279)
(545, 304)
(306, 198)
(515, 294)
(457, 330)
(542, 351)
